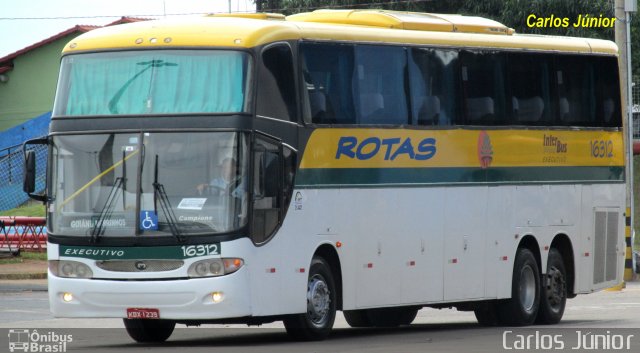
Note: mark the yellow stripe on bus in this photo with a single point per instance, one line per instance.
(401, 148)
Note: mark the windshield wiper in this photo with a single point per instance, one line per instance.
(160, 194)
(107, 210)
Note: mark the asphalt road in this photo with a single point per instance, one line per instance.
(613, 315)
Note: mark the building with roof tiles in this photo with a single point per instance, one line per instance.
(28, 80)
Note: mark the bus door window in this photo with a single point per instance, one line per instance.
(276, 91)
(432, 76)
(274, 168)
(267, 189)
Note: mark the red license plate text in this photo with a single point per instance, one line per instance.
(143, 313)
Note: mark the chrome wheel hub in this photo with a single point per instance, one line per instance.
(527, 288)
(318, 301)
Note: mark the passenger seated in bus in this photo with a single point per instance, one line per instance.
(229, 182)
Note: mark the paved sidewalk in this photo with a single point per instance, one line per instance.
(26, 269)
(26, 275)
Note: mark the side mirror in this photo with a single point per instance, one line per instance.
(29, 181)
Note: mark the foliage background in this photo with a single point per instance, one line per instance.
(512, 13)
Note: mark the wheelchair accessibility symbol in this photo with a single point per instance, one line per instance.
(148, 220)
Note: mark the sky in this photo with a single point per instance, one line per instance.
(49, 17)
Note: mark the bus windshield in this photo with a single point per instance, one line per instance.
(153, 82)
(148, 184)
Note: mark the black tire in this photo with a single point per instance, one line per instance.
(317, 322)
(553, 294)
(487, 314)
(392, 317)
(149, 331)
(522, 308)
(357, 318)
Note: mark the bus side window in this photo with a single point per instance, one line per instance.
(482, 77)
(276, 88)
(607, 92)
(328, 71)
(529, 89)
(267, 186)
(379, 85)
(432, 81)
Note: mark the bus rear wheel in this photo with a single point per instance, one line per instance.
(522, 308)
(357, 318)
(554, 290)
(487, 314)
(392, 317)
(317, 322)
(149, 331)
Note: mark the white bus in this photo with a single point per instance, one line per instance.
(255, 168)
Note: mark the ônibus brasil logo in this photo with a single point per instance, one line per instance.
(25, 340)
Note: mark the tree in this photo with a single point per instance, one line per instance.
(512, 13)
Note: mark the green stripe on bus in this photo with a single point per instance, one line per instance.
(313, 177)
(137, 253)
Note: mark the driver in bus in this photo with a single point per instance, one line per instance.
(229, 182)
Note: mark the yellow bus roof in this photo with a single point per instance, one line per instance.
(371, 26)
(405, 20)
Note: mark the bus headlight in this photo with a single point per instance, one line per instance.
(215, 267)
(69, 269)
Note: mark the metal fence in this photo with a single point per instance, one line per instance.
(24, 233)
(11, 175)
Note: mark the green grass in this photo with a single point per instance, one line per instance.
(31, 210)
(25, 255)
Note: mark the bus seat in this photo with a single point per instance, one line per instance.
(515, 104)
(371, 108)
(608, 108)
(528, 110)
(429, 112)
(318, 104)
(563, 106)
(479, 108)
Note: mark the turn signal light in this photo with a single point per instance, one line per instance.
(215, 267)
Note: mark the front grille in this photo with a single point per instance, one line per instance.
(140, 265)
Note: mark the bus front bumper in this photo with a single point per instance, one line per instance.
(178, 299)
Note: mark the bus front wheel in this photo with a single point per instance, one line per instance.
(316, 323)
(149, 331)
(554, 290)
(521, 309)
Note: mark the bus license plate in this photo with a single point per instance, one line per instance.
(143, 313)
